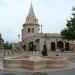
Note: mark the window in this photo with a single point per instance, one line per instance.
(32, 30)
(28, 29)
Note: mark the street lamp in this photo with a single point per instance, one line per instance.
(41, 28)
(18, 38)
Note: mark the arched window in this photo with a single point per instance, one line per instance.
(30, 46)
(67, 46)
(24, 47)
(32, 30)
(52, 46)
(28, 30)
(60, 45)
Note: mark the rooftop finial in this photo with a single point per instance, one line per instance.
(31, 3)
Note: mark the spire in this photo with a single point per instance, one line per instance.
(31, 11)
(31, 18)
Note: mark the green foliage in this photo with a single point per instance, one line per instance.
(69, 32)
(7, 46)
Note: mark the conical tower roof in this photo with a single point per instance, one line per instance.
(31, 12)
(31, 18)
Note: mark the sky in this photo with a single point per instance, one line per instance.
(52, 14)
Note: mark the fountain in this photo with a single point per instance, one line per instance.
(35, 62)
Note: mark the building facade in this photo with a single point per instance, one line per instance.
(33, 40)
(1, 43)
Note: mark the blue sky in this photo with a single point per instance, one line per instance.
(52, 14)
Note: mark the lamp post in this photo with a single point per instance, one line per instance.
(45, 38)
(18, 38)
(41, 28)
(56, 43)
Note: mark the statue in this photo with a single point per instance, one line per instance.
(44, 52)
(57, 52)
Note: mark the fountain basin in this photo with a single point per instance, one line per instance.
(27, 63)
(57, 63)
(36, 62)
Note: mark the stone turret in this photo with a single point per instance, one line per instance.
(31, 26)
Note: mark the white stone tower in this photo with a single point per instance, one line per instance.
(31, 26)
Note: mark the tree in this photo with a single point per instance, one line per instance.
(7, 46)
(69, 32)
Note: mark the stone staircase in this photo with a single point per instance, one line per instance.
(6, 53)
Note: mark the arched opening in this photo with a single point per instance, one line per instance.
(28, 30)
(30, 46)
(24, 47)
(53, 46)
(67, 46)
(60, 45)
(44, 52)
(32, 30)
